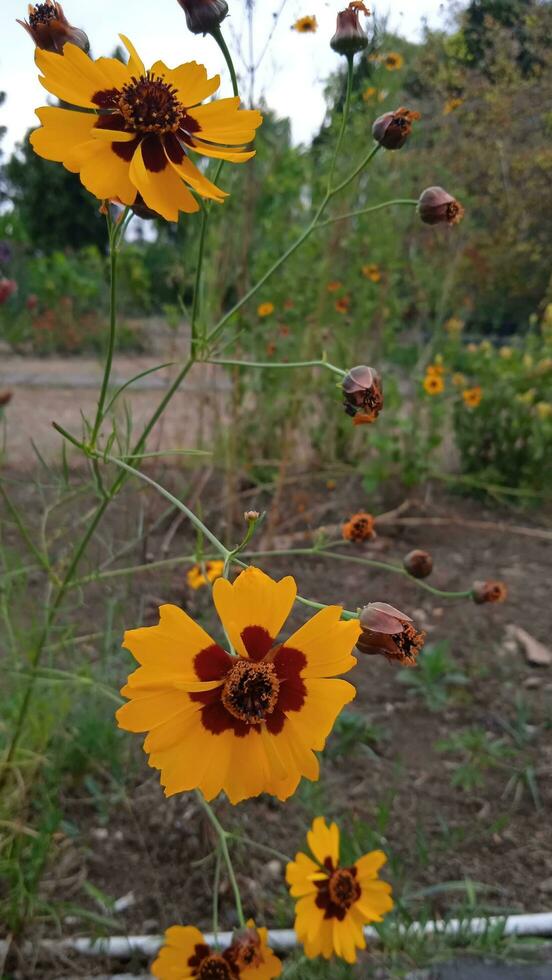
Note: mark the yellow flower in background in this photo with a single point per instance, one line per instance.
(185, 955)
(244, 723)
(458, 379)
(196, 578)
(370, 93)
(451, 105)
(434, 384)
(138, 138)
(454, 326)
(334, 903)
(437, 368)
(305, 25)
(265, 309)
(543, 410)
(372, 272)
(506, 353)
(472, 396)
(393, 61)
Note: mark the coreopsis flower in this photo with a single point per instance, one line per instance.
(362, 394)
(418, 563)
(350, 37)
(334, 902)
(138, 138)
(305, 25)
(393, 128)
(472, 396)
(372, 272)
(483, 592)
(49, 28)
(342, 304)
(451, 105)
(8, 288)
(360, 527)
(433, 384)
(265, 309)
(393, 61)
(436, 367)
(458, 379)
(200, 575)
(334, 286)
(391, 633)
(204, 16)
(186, 955)
(369, 93)
(248, 722)
(436, 206)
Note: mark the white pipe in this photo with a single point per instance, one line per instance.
(283, 940)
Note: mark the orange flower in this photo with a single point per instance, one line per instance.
(265, 309)
(451, 105)
(372, 272)
(186, 956)
(472, 396)
(433, 384)
(360, 527)
(342, 304)
(334, 286)
(393, 61)
(305, 25)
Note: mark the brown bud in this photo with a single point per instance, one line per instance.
(436, 206)
(483, 592)
(251, 515)
(362, 393)
(349, 36)
(419, 564)
(5, 398)
(359, 528)
(244, 952)
(389, 632)
(204, 16)
(393, 128)
(50, 30)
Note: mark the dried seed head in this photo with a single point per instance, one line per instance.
(204, 16)
(483, 592)
(362, 394)
(50, 30)
(436, 206)
(349, 36)
(359, 528)
(393, 128)
(418, 563)
(389, 632)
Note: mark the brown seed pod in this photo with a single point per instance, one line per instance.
(436, 206)
(389, 632)
(363, 392)
(393, 128)
(349, 37)
(50, 30)
(483, 592)
(418, 563)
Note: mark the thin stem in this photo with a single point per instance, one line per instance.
(271, 364)
(364, 162)
(344, 120)
(223, 840)
(112, 335)
(218, 37)
(197, 282)
(216, 887)
(375, 207)
(260, 847)
(41, 559)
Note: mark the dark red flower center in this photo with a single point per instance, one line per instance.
(338, 892)
(215, 968)
(250, 691)
(150, 105)
(42, 13)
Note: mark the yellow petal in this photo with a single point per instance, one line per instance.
(206, 188)
(144, 713)
(369, 864)
(254, 599)
(170, 646)
(219, 153)
(135, 66)
(325, 699)
(190, 81)
(326, 641)
(299, 876)
(323, 841)
(224, 122)
(105, 174)
(61, 130)
(72, 76)
(164, 192)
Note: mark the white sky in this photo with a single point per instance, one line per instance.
(290, 77)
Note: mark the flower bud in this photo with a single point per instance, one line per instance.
(362, 394)
(251, 515)
(393, 128)
(436, 206)
(50, 30)
(483, 592)
(204, 16)
(359, 528)
(349, 36)
(244, 953)
(389, 632)
(419, 564)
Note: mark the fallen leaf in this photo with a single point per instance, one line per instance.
(535, 652)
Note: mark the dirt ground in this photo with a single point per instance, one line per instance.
(153, 857)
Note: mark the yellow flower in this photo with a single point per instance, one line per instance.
(472, 396)
(451, 105)
(372, 272)
(369, 93)
(195, 577)
(393, 61)
(454, 326)
(186, 955)
(434, 384)
(506, 352)
(265, 309)
(543, 410)
(137, 139)
(437, 368)
(305, 25)
(458, 379)
(334, 903)
(246, 723)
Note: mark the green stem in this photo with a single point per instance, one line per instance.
(260, 847)
(271, 364)
(112, 336)
(216, 886)
(218, 37)
(41, 559)
(223, 841)
(344, 120)
(363, 163)
(375, 207)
